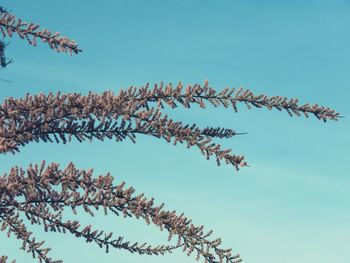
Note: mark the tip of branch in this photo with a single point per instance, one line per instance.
(241, 133)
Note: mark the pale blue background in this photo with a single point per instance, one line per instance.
(292, 204)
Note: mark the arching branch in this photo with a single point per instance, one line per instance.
(42, 193)
(61, 117)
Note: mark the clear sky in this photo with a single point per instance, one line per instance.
(291, 205)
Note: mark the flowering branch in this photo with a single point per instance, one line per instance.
(34, 192)
(9, 24)
(63, 117)
(198, 94)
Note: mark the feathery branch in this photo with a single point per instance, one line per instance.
(35, 193)
(9, 24)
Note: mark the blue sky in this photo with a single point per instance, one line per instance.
(292, 204)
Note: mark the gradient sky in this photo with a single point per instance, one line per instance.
(291, 205)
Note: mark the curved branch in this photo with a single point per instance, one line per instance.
(80, 122)
(38, 187)
(9, 24)
(90, 235)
